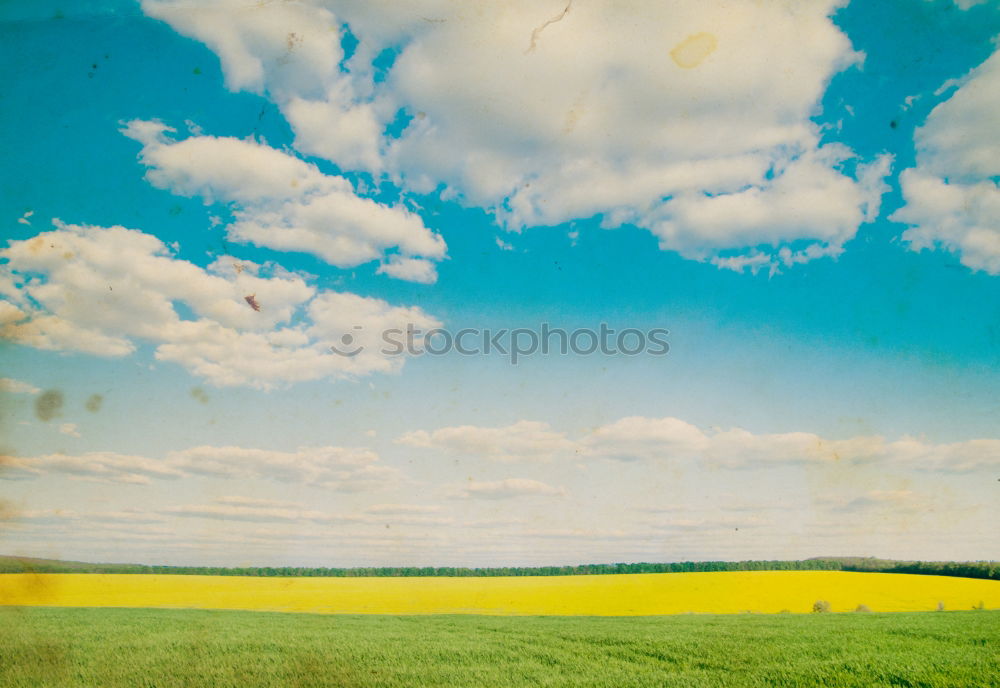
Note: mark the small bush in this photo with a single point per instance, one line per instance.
(863, 608)
(821, 606)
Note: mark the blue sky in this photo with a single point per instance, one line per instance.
(867, 337)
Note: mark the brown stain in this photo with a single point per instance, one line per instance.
(302, 666)
(575, 113)
(199, 394)
(252, 300)
(93, 403)
(694, 50)
(37, 245)
(48, 405)
(292, 41)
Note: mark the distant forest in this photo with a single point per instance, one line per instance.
(979, 569)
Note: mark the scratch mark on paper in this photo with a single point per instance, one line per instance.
(537, 32)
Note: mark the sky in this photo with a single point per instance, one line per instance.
(213, 212)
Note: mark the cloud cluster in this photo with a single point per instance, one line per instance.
(507, 489)
(342, 469)
(100, 290)
(952, 195)
(692, 120)
(283, 203)
(102, 466)
(524, 439)
(638, 438)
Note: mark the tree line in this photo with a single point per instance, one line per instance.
(981, 569)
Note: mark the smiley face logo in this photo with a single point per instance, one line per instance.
(347, 346)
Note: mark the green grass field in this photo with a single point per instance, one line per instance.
(64, 648)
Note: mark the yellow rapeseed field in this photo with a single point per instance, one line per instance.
(611, 595)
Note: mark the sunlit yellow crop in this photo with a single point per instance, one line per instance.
(611, 595)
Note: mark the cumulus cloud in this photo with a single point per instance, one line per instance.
(638, 438)
(952, 196)
(12, 386)
(675, 116)
(508, 489)
(100, 290)
(524, 440)
(671, 439)
(342, 469)
(102, 466)
(286, 204)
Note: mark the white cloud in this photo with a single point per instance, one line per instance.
(237, 500)
(522, 441)
(69, 429)
(124, 517)
(406, 509)
(12, 386)
(673, 115)
(40, 517)
(342, 469)
(103, 466)
(508, 489)
(644, 438)
(410, 269)
(283, 203)
(231, 512)
(235, 509)
(966, 4)
(672, 440)
(99, 290)
(893, 500)
(952, 196)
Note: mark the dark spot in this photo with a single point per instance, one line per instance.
(93, 403)
(199, 394)
(893, 124)
(252, 300)
(196, 70)
(48, 404)
(176, 210)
